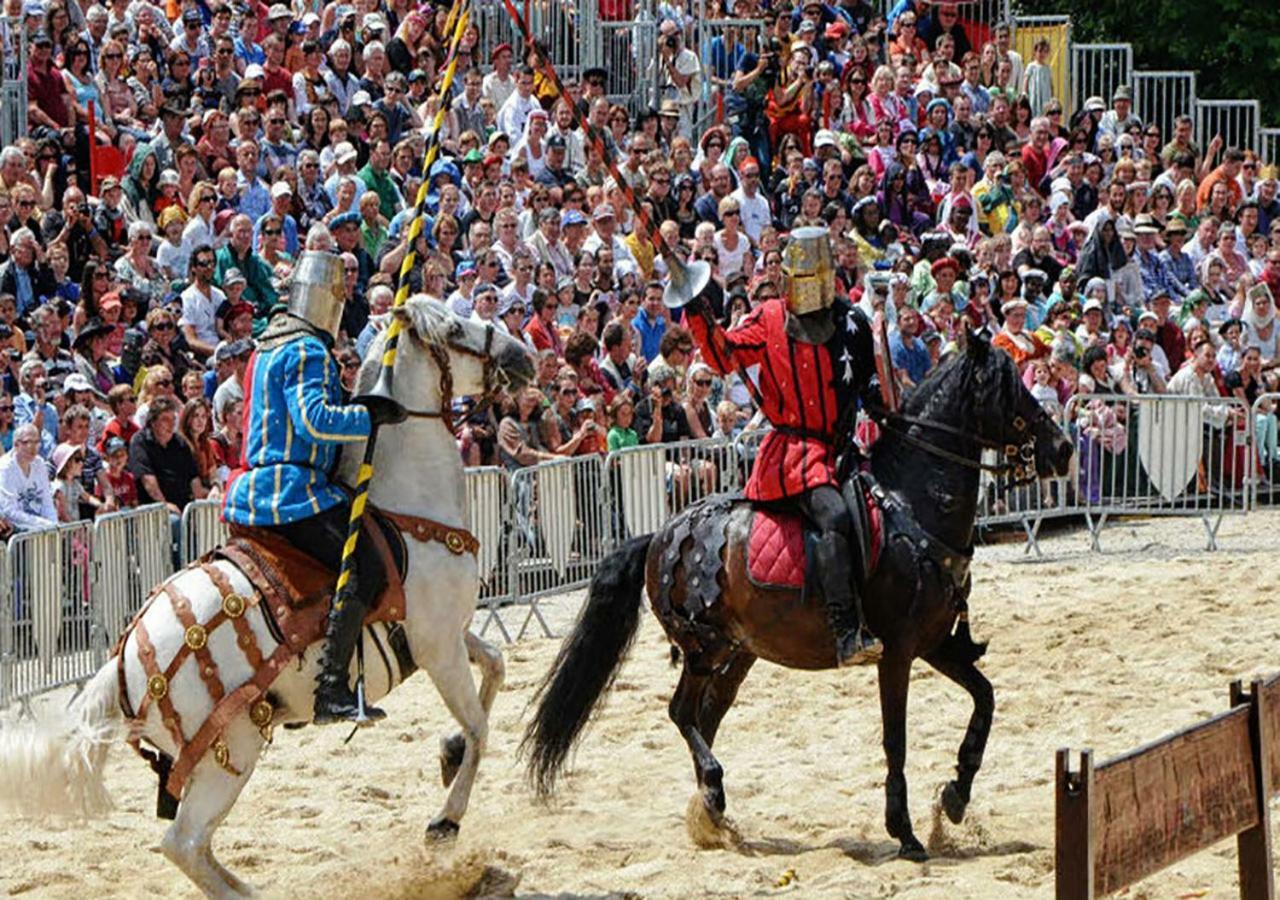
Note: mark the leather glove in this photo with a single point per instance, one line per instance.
(383, 410)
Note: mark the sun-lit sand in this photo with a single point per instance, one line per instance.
(1107, 651)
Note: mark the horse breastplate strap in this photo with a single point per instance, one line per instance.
(954, 561)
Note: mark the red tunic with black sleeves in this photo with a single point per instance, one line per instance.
(804, 391)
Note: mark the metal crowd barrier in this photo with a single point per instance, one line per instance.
(1160, 97)
(1237, 121)
(488, 502)
(49, 609)
(1161, 455)
(1098, 69)
(132, 553)
(1269, 145)
(202, 528)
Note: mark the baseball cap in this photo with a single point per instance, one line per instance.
(278, 11)
(572, 217)
(344, 152)
(113, 446)
(77, 382)
(555, 141)
(824, 138)
(255, 72)
(281, 189)
(233, 276)
(347, 218)
(466, 267)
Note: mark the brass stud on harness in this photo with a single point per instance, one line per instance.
(234, 605)
(196, 637)
(454, 542)
(261, 712)
(157, 687)
(222, 756)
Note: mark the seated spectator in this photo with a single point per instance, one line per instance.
(660, 418)
(67, 491)
(124, 487)
(162, 462)
(622, 415)
(31, 406)
(26, 500)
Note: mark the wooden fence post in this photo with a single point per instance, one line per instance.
(1073, 824)
(1253, 846)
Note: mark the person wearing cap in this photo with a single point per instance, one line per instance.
(89, 351)
(1092, 330)
(499, 84)
(280, 218)
(681, 73)
(1120, 118)
(1014, 337)
(46, 89)
(345, 157)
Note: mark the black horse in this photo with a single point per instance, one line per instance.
(924, 472)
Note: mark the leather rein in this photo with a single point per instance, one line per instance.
(440, 355)
(1017, 460)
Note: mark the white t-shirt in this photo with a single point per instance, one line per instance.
(200, 312)
(26, 500)
(755, 213)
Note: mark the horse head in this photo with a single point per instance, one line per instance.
(446, 356)
(1007, 417)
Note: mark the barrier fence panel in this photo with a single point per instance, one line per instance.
(561, 529)
(13, 81)
(51, 608)
(1098, 69)
(566, 33)
(202, 528)
(1160, 97)
(131, 555)
(651, 483)
(1237, 121)
(1161, 455)
(489, 518)
(6, 630)
(1002, 500)
(627, 50)
(1269, 145)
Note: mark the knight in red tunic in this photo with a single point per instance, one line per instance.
(816, 365)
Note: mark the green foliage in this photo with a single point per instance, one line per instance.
(1233, 45)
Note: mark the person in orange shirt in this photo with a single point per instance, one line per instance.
(1227, 174)
(1014, 339)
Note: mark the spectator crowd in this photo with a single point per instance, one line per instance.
(1109, 256)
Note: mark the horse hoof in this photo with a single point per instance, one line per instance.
(452, 750)
(442, 830)
(952, 803)
(913, 851)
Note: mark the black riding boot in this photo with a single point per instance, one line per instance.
(335, 701)
(855, 645)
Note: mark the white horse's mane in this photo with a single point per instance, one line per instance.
(429, 320)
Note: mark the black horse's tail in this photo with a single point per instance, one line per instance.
(587, 663)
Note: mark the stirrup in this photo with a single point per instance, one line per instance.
(347, 707)
(862, 648)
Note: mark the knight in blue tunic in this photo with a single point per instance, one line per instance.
(296, 420)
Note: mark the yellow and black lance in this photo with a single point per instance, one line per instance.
(459, 16)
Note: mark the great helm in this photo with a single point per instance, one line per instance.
(809, 270)
(317, 292)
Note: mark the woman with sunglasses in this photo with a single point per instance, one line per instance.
(82, 89)
(162, 351)
(118, 102)
(177, 86)
(855, 114)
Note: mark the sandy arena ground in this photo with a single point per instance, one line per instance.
(1108, 651)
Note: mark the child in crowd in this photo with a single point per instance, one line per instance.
(123, 484)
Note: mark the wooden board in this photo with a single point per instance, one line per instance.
(1165, 801)
(1271, 729)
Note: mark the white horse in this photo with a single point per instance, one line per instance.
(57, 766)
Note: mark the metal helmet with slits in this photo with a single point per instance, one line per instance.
(317, 292)
(810, 271)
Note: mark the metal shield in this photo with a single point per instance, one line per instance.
(1170, 438)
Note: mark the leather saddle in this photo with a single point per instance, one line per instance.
(777, 547)
(296, 587)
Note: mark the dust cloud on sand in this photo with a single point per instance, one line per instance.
(1107, 651)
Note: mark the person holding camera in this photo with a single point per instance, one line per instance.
(791, 100)
(73, 228)
(747, 98)
(681, 74)
(1143, 372)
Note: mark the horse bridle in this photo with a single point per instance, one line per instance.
(490, 380)
(1017, 460)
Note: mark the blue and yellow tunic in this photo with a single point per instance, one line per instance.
(294, 423)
